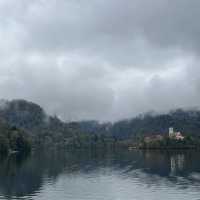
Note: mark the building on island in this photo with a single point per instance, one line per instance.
(151, 138)
(175, 135)
(159, 137)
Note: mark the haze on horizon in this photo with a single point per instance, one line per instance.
(99, 59)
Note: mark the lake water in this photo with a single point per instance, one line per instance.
(97, 175)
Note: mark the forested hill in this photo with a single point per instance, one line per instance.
(41, 128)
(188, 122)
(13, 139)
(32, 118)
(23, 114)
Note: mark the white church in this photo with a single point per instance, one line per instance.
(175, 135)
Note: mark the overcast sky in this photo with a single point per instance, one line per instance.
(101, 59)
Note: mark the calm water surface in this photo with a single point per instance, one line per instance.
(97, 175)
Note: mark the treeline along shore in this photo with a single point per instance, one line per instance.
(25, 125)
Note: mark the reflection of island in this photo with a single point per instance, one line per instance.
(171, 163)
(16, 178)
(22, 177)
(177, 163)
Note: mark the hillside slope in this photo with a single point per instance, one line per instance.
(51, 130)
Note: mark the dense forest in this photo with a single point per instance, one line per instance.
(13, 139)
(44, 130)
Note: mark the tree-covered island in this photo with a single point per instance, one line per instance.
(25, 125)
(13, 139)
(172, 140)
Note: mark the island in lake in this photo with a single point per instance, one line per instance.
(172, 140)
(25, 125)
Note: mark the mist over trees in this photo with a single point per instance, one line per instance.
(46, 130)
(13, 139)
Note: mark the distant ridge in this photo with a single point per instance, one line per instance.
(32, 118)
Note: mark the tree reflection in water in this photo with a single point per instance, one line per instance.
(22, 176)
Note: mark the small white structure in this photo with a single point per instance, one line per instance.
(175, 135)
(171, 132)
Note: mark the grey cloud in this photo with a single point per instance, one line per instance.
(118, 32)
(66, 92)
(100, 59)
(112, 29)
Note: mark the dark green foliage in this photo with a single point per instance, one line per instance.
(51, 131)
(4, 145)
(18, 141)
(23, 114)
(188, 122)
(168, 143)
(13, 139)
